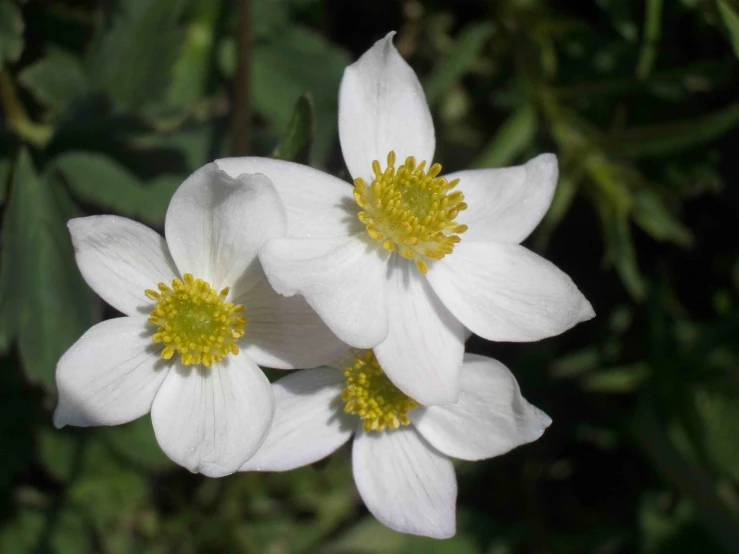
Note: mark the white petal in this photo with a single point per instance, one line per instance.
(215, 225)
(110, 375)
(505, 205)
(318, 204)
(405, 483)
(422, 353)
(120, 258)
(212, 420)
(285, 333)
(382, 108)
(309, 421)
(343, 280)
(490, 418)
(505, 292)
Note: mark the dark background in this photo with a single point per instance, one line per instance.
(107, 106)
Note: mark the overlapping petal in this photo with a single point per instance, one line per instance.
(309, 421)
(506, 204)
(318, 204)
(490, 418)
(216, 224)
(405, 483)
(120, 258)
(109, 376)
(422, 353)
(382, 107)
(285, 333)
(343, 280)
(505, 292)
(211, 420)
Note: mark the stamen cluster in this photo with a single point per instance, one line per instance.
(195, 321)
(411, 210)
(373, 397)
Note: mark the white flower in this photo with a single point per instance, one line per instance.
(401, 451)
(199, 318)
(404, 262)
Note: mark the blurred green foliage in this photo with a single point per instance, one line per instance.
(107, 106)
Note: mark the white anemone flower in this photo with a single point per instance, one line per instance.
(401, 450)
(199, 318)
(406, 260)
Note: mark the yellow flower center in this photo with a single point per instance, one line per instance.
(411, 210)
(196, 321)
(373, 397)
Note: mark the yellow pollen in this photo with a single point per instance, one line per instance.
(195, 321)
(373, 397)
(411, 210)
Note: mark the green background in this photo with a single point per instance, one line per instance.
(107, 106)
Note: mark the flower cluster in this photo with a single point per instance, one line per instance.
(371, 290)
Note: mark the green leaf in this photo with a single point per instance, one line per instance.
(620, 251)
(649, 433)
(618, 380)
(296, 143)
(671, 138)
(297, 61)
(667, 528)
(369, 536)
(719, 414)
(136, 443)
(134, 59)
(40, 283)
(730, 17)
(458, 62)
(110, 496)
(191, 72)
(564, 195)
(56, 80)
(20, 535)
(99, 180)
(11, 32)
(5, 167)
(651, 214)
(511, 140)
(650, 38)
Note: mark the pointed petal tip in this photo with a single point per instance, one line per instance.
(543, 167)
(543, 421)
(586, 311)
(58, 419)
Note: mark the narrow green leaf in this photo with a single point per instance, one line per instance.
(650, 38)
(99, 180)
(56, 80)
(651, 214)
(512, 138)
(191, 72)
(11, 32)
(40, 283)
(719, 414)
(298, 138)
(458, 62)
(564, 195)
(5, 167)
(284, 68)
(619, 380)
(650, 435)
(730, 17)
(620, 251)
(671, 138)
